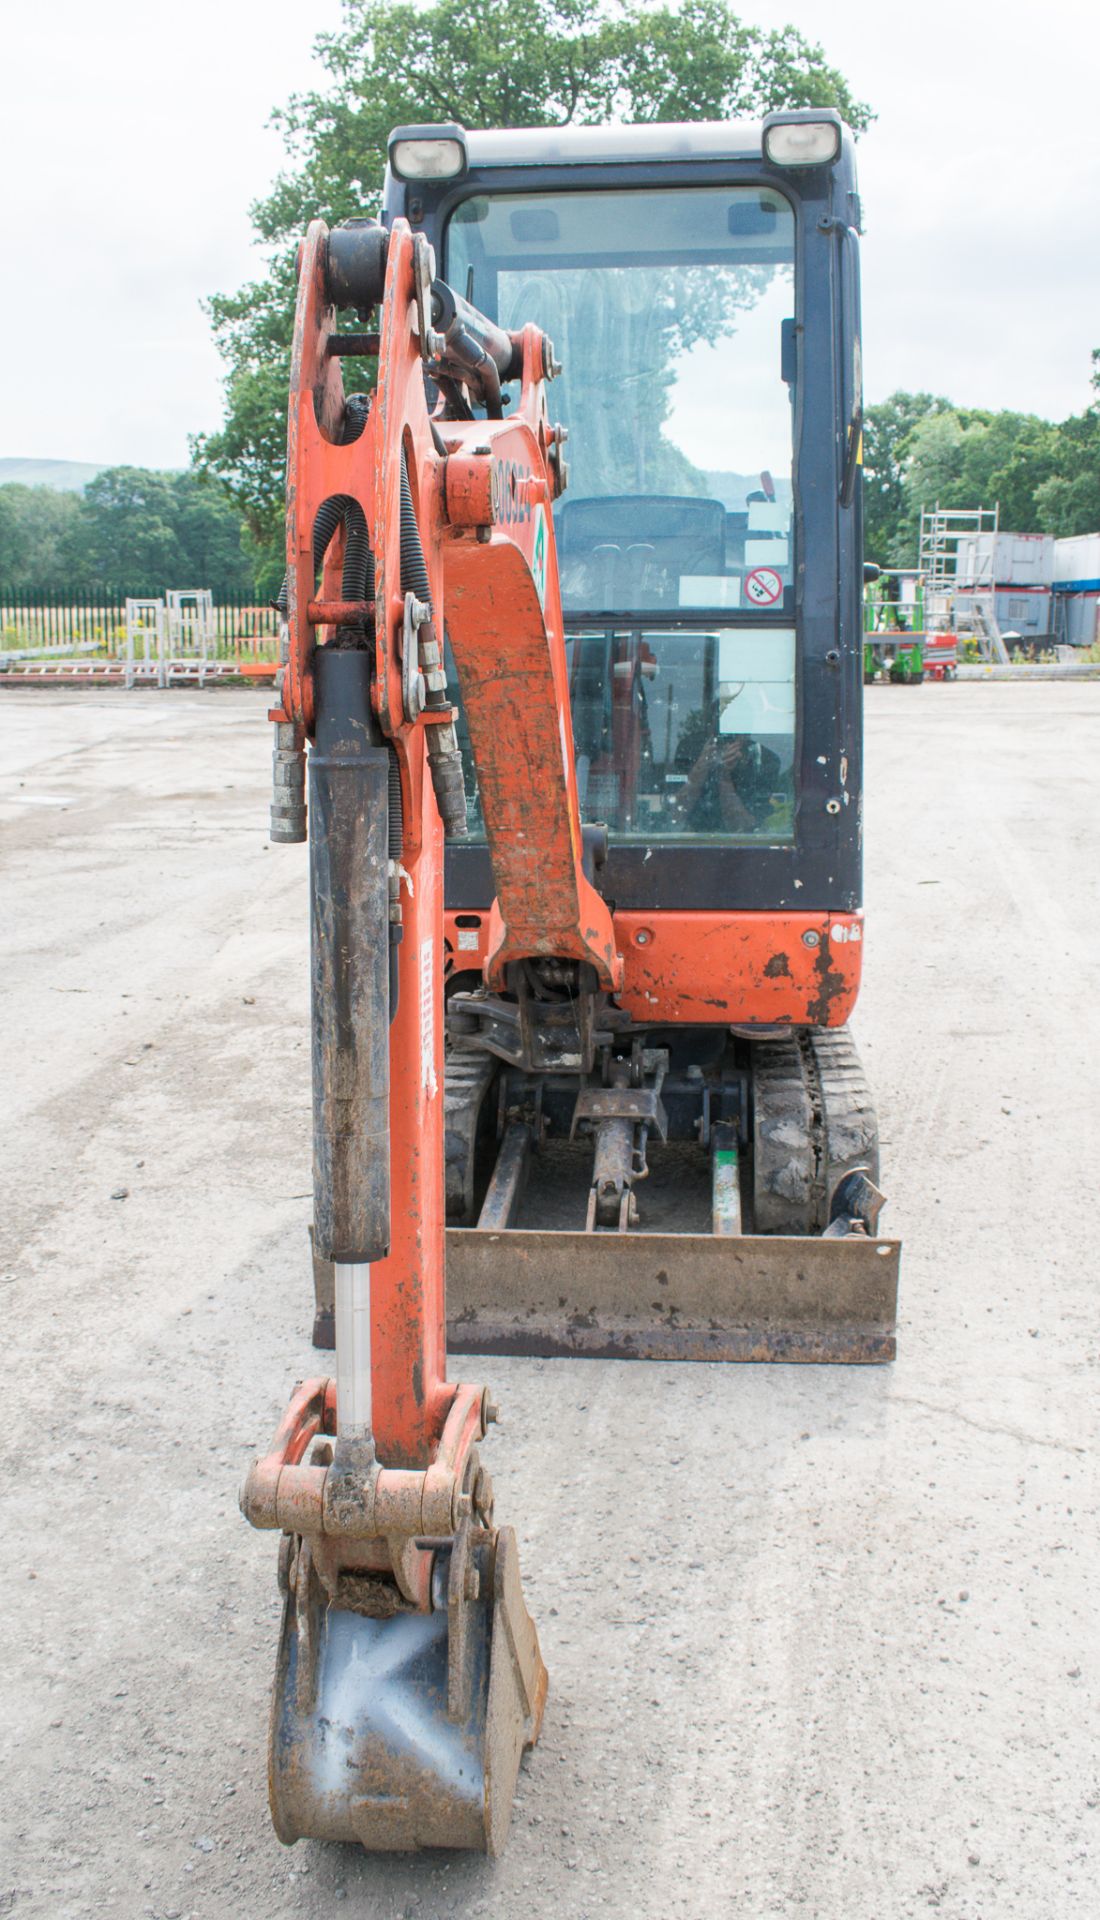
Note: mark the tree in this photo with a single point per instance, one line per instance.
(550, 63)
(921, 452)
(1068, 500)
(133, 531)
(130, 537)
(147, 531)
(41, 538)
(974, 459)
(887, 428)
(208, 534)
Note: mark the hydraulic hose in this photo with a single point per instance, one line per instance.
(358, 575)
(288, 805)
(444, 759)
(414, 572)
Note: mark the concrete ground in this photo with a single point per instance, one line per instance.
(820, 1642)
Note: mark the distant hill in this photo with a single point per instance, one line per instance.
(65, 476)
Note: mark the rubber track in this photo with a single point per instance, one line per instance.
(851, 1122)
(466, 1080)
(784, 1138)
(813, 1121)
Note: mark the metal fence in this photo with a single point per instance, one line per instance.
(53, 625)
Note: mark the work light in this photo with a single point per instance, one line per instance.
(428, 153)
(803, 138)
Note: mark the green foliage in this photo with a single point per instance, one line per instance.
(1071, 504)
(253, 329)
(213, 549)
(1068, 499)
(549, 63)
(132, 530)
(128, 523)
(40, 537)
(886, 432)
(961, 459)
(921, 451)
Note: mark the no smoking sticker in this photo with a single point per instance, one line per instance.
(763, 586)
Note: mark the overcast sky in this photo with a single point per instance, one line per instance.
(133, 139)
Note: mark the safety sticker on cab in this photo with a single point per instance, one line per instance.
(538, 554)
(763, 587)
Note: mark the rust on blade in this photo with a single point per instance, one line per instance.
(657, 1296)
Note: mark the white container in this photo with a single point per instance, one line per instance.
(987, 560)
(1077, 562)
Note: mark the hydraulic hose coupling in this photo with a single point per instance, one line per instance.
(445, 766)
(288, 786)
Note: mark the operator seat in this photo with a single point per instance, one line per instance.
(628, 552)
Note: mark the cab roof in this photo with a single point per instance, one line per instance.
(581, 146)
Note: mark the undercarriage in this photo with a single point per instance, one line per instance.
(681, 1200)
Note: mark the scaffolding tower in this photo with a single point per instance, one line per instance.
(960, 594)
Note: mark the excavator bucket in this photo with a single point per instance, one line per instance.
(407, 1731)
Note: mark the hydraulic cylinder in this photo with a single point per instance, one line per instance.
(350, 973)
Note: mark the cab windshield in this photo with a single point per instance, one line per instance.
(679, 736)
(672, 312)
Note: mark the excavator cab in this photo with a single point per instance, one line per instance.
(700, 285)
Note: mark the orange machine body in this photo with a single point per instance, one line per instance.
(716, 969)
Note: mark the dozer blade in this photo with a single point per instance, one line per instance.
(407, 1732)
(663, 1296)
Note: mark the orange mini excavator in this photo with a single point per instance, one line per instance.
(605, 1039)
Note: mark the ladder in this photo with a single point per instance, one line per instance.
(958, 556)
(974, 613)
